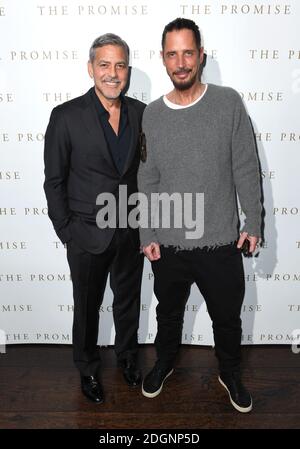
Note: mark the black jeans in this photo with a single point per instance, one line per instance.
(219, 275)
(89, 274)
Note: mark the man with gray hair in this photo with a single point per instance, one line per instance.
(91, 147)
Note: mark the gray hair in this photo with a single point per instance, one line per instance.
(108, 39)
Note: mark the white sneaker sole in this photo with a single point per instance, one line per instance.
(156, 393)
(237, 407)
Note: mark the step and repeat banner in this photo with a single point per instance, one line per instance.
(252, 46)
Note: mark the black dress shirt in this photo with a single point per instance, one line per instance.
(117, 144)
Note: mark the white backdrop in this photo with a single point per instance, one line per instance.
(251, 46)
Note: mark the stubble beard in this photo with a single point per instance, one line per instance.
(109, 95)
(185, 85)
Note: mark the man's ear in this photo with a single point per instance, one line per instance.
(162, 57)
(90, 69)
(201, 54)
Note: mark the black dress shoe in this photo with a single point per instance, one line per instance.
(92, 389)
(131, 372)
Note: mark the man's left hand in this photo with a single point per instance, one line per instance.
(252, 239)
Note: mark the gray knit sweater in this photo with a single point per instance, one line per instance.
(207, 148)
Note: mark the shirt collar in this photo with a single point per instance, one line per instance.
(101, 109)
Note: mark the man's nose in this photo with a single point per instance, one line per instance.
(113, 72)
(180, 61)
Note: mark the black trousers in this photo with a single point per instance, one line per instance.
(89, 274)
(219, 275)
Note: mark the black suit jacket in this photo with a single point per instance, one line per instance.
(79, 166)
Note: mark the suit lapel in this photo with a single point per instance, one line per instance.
(133, 123)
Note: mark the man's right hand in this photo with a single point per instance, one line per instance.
(152, 251)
